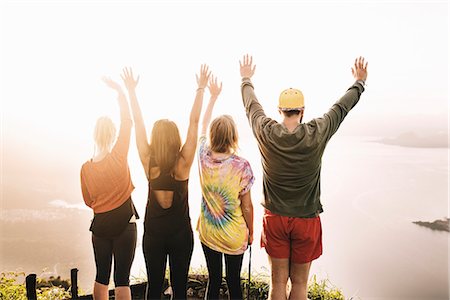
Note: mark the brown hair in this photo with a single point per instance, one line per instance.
(290, 113)
(223, 135)
(165, 144)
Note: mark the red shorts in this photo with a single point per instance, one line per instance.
(298, 239)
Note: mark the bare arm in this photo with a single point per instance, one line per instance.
(214, 90)
(255, 113)
(188, 150)
(139, 126)
(359, 69)
(123, 141)
(247, 212)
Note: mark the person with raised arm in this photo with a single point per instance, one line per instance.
(225, 224)
(291, 155)
(106, 187)
(167, 164)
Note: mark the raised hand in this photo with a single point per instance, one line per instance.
(214, 88)
(112, 84)
(202, 80)
(128, 79)
(359, 70)
(247, 70)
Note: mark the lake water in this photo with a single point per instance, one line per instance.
(370, 192)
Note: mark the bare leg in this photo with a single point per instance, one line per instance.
(299, 274)
(122, 293)
(279, 277)
(100, 291)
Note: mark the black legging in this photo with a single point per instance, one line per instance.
(122, 248)
(179, 249)
(233, 264)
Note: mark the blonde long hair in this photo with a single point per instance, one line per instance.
(223, 135)
(104, 133)
(165, 144)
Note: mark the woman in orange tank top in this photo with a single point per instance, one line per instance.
(106, 186)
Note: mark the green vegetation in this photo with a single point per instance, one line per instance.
(9, 289)
(323, 290)
(259, 287)
(53, 288)
(317, 290)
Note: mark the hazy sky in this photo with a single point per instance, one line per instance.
(54, 53)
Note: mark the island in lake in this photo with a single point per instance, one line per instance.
(440, 225)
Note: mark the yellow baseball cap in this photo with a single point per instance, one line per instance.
(291, 99)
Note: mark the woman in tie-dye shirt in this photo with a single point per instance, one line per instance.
(225, 224)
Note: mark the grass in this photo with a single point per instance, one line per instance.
(53, 288)
(323, 290)
(257, 288)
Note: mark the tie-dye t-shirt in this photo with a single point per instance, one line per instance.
(221, 224)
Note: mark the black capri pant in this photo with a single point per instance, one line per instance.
(233, 265)
(178, 248)
(122, 248)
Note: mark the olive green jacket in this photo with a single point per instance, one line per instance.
(291, 161)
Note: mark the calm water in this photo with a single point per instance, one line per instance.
(371, 193)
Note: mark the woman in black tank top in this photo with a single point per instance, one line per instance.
(167, 233)
(167, 164)
(167, 220)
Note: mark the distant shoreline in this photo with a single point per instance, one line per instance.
(439, 225)
(393, 142)
(412, 140)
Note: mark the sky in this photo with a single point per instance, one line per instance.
(53, 55)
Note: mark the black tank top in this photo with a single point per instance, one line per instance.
(160, 220)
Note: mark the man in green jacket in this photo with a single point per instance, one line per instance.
(291, 153)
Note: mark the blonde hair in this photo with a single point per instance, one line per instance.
(223, 135)
(104, 133)
(165, 144)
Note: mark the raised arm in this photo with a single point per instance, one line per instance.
(139, 126)
(359, 70)
(188, 150)
(214, 90)
(255, 113)
(123, 140)
(337, 113)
